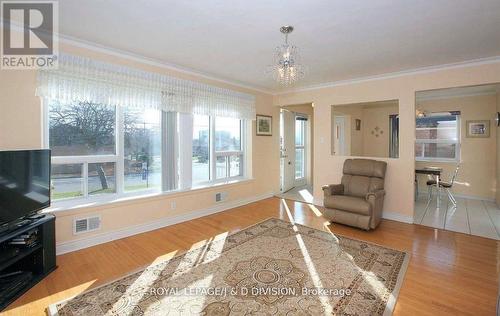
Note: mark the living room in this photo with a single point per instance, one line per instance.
(160, 158)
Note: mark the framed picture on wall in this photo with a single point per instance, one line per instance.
(264, 125)
(478, 128)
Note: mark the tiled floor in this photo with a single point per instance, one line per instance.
(301, 194)
(473, 217)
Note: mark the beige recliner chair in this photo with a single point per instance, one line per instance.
(359, 200)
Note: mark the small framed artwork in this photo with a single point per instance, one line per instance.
(479, 129)
(358, 124)
(264, 125)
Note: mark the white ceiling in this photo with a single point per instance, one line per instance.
(339, 39)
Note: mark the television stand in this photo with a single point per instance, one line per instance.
(27, 255)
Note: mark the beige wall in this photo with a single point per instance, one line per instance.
(307, 109)
(477, 174)
(399, 201)
(372, 116)
(21, 127)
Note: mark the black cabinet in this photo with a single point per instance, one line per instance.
(27, 255)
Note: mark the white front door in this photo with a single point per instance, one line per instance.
(339, 136)
(287, 150)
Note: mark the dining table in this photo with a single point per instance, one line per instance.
(434, 172)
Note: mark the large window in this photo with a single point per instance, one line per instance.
(201, 148)
(142, 149)
(102, 150)
(438, 137)
(217, 148)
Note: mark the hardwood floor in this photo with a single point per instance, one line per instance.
(449, 273)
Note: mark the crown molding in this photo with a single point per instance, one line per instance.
(403, 73)
(154, 62)
(77, 42)
(189, 71)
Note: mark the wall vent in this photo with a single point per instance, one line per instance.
(220, 196)
(86, 224)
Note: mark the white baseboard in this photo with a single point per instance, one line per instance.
(69, 246)
(397, 217)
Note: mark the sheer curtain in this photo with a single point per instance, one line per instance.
(83, 79)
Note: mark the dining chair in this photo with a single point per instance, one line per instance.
(447, 185)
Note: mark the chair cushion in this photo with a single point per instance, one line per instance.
(348, 203)
(360, 185)
(365, 167)
(443, 184)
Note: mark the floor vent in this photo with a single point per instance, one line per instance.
(87, 224)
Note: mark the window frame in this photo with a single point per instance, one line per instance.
(441, 141)
(227, 154)
(118, 159)
(301, 147)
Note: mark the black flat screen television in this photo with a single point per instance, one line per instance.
(24, 183)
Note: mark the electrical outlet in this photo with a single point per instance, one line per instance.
(173, 205)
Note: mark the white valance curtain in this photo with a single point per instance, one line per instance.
(86, 80)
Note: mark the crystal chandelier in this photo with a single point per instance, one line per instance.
(286, 68)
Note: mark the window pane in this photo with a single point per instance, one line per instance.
(419, 150)
(439, 151)
(227, 134)
(142, 145)
(81, 128)
(221, 167)
(437, 127)
(67, 181)
(299, 163)
(201, 152)
(299, 132)
(102, 178)
(236, 166)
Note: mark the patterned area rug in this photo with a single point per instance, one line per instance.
(271, 268)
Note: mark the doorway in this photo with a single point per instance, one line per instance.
(296, 152)
(457, 166)
(339, 136)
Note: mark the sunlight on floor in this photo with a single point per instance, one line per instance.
(315, 210)
(309, 262)
(196, 254)
(306, 195)
(301, 194)
(136, 291)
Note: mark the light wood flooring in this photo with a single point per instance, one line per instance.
(449, 273)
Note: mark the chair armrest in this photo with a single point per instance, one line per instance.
(333, 189)
(375, 194)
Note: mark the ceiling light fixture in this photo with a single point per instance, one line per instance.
(286, 68)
